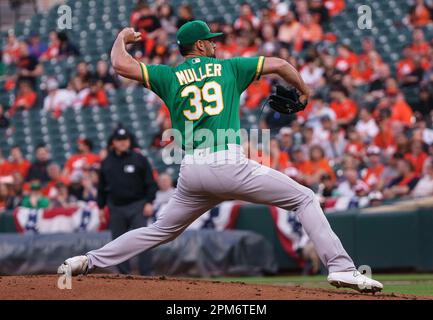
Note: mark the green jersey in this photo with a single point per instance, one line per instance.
(202, 94)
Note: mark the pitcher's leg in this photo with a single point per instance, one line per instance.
(268, 186)
(181, 210)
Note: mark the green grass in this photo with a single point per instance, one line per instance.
(416, 284)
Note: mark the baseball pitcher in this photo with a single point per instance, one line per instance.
(203, 93)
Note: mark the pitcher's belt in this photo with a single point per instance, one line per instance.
(205, 151)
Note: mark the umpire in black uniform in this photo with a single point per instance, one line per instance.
(127, 187)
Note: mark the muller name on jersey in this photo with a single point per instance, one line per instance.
(191, 75)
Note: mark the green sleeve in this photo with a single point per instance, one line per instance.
(247, 70)
(158, 78)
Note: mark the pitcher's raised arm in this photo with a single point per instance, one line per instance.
(123, 63)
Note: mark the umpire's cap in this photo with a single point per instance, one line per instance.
(195, 30)
(121, 134)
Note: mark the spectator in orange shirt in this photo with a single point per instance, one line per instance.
(25, 99)
(375, 60)
(420, 14)
(256, 93)
(279, 159)
(419, 45)
(309, 33)
(345, 109)
(362, 71)
(385, 138)
(417, 156)
(345, 59)
(84, 158)
(17, 162)
(406, 65)
(320, 164)
(373, 174)
(368, 48)
(355, 145)
(96, 96)
(303, 165)
(400, 110)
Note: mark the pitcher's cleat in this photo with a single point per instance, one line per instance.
(354, 280)
(74, 266)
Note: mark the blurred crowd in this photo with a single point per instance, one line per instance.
(45, 184)
(42, 183)
(359, 142)
(85, 88)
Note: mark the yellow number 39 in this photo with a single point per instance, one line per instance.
(211, 93)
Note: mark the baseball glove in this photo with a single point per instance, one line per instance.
(286, 100)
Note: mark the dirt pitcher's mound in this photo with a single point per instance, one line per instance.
(129, 287)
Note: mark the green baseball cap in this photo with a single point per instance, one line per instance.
(195, 30)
